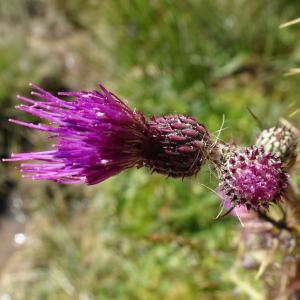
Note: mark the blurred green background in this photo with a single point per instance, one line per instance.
(138, 236)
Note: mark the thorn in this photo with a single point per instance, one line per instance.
(289, 23)
(225, 214)
(258, 121)
(294, 113)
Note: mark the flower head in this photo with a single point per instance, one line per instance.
(97, 135)
(253, 178)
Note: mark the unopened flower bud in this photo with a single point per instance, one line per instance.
(279, 140)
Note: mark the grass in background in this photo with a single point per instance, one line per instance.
(138, 236)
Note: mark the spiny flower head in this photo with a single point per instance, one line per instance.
(253, 178)
(178, 145)
(97, 135)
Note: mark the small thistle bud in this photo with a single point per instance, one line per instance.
(177, 145)
(253, 178)
(279, 140)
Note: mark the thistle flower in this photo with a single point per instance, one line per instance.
(253, 178)
(279, 140)
(99, 136)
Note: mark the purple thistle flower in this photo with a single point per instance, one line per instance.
(97, 134)
(253, 178)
